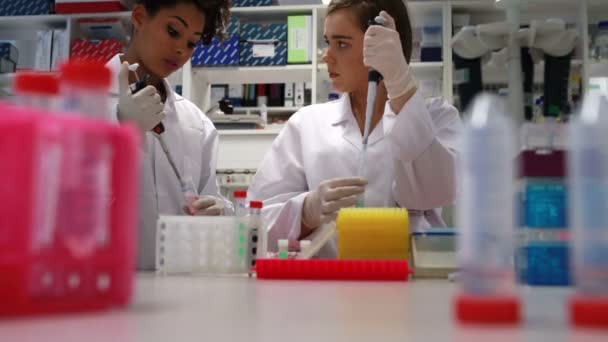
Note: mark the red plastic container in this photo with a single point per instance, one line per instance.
(87, 6)
(590, 312)
(487, 309)
(329, 269)
(68, 212)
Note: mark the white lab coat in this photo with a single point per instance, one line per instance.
(192, 140)
(411, 161)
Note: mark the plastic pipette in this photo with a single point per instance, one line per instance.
(372, 87)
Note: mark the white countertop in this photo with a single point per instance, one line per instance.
(241, 309)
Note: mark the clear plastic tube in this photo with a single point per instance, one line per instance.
(240, 199)
(83, 217)
(588, 167)
(39, 90)
(487, 196)
(256, 234)
(84, 89)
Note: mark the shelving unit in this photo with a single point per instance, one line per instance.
(24, 29)
(197, 81)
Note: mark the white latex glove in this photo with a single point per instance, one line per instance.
(382, 51)
(145, 108)
(208, 206)
(322, 205)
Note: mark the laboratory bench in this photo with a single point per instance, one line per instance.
(197, 308)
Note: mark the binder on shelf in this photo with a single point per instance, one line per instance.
(289, 95)
(299, 94)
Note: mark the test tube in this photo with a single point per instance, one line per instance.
(243, 238)
(487, 216)
(39, 90)
(588, 167)
(256, 239)
(240, 199)
(84, 209)
(84, 88)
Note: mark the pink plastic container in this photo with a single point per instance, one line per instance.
(68, 212)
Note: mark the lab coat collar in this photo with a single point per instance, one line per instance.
(345, 110)
(352, 132)
(114, 66)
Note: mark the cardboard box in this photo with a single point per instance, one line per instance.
(88, 6)
(103, 28)
(264, 31)
(299, 39)
(251, 3)
(96, 50)
(217, 53)
(234, 26)
(25, 7)
(260, 53)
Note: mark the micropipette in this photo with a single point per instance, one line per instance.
(374, 78)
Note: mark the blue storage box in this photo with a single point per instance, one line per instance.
(545, 204)
(217, 53)
(431, 54)
(542, 256)
(25, 7)
(548, 264)
(258, 54)
(234, 26)
(251, 3)
(9, 51)
(257, 31)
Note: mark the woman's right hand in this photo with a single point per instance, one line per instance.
(322, 205)
(144, 108)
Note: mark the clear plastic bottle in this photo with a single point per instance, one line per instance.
(240, 199)
(257, 236)
(83, 218)
(84, 89)
(38, 90)
(487, 216)
(588, 168)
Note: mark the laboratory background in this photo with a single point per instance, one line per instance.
(495, 229)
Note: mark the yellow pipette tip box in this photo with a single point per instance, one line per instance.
(373, 234)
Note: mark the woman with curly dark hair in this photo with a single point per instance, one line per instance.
(165, 34)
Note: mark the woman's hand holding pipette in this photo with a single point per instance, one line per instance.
(383, 52)
(144, 108)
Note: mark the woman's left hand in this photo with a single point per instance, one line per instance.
(208, 206)
(382, 50)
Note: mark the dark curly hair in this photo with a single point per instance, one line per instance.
(367, 10)
(216, 14)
